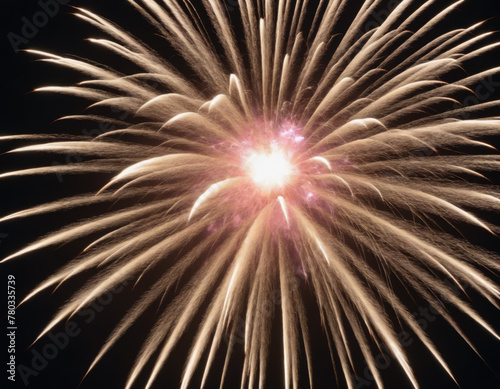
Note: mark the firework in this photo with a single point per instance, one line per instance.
(291, 158)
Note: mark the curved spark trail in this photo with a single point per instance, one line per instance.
(292, 157)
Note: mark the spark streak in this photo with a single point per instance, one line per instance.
(286, 153)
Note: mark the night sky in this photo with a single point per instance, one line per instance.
(80, 339)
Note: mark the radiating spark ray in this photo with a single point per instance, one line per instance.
(283, 208)
(213, 189)
(361, 139)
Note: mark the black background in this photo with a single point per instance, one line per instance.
(25, 112)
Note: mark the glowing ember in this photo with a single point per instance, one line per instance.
(269, 169)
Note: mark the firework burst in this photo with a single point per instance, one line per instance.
(291, 158)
